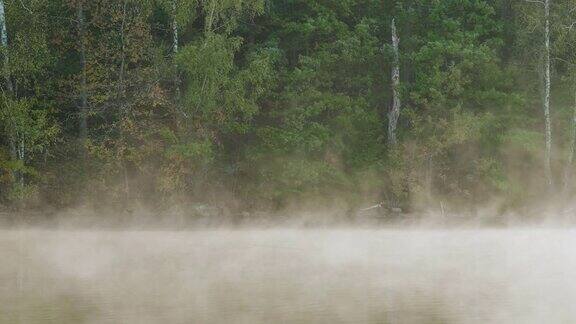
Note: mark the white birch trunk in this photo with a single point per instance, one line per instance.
(122, 57)
(83, 127)
(4, 41)
(175, 41)
(210, 18)
(123, 108)
(22, 157)
(548, 126)
(394, 113)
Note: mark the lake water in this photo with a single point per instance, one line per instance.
(288, 276)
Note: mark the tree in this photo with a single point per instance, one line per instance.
(182, 13)
(4, 37)
(546, 101)
(277, 101)
(546, 86)
(175, 41)
(456, 88)
(25, 120)
(83, 108)
(395, 111)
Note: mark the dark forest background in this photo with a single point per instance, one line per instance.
(278, 104)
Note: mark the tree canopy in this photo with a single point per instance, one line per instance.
(269, 103)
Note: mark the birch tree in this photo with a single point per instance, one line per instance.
(546, 91)
(6, 69)
(182, 13)
(175, 42)
(546, 105)
(207, 62)
(122, 92)
(25, 121)
(394, 113)
(83, 125)
(4, 40)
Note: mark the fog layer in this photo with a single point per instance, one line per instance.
(288, 276)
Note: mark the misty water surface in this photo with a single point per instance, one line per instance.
(288, 276)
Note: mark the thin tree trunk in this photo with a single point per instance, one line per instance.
(210, 18)
(548, 126)
(22, 157)
(394, 113)
(177, 81)
(120, 97)
(83, 127)
(4, 40)
(122, 57)
(175, 41)
(429, 178)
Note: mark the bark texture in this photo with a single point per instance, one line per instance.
(4, 40)
(394, 113)
(175, 40)
(546, 106)
(83, 109)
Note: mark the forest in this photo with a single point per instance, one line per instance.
(271, 105)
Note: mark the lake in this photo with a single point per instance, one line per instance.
(289, 276)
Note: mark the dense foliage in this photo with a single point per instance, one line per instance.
(281, 103)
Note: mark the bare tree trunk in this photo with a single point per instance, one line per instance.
(122, 57)
(394, 113)
(429, 178)
(22, 157)
(571, 149)
(4, 40)
(177, 82)
(210, 18)
(548, 126)
(175, 41)
(83, 127)
(121, 94)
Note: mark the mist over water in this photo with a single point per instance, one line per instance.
(288, 276)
